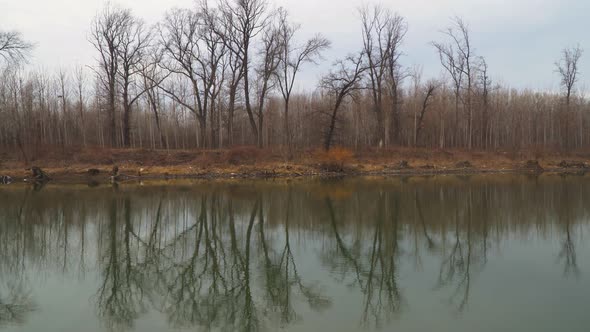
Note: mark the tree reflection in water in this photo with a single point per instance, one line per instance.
(373, 263)
(567, 253)
(200, 270)
(16, 303)
(16, 239)
(229, 257)
(120, 297)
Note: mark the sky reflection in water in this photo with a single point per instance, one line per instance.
(447, 253)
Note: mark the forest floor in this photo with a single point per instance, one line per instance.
(73, 164)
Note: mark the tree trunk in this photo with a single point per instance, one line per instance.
(111, 110)
(330, 133)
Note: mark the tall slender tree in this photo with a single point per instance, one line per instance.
(107, 33)
(293, 57)
(568, 68)
(133, 47)
(383, 33)
(460, 61)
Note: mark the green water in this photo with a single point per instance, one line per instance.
(449, 253)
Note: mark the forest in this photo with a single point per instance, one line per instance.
(223, 74)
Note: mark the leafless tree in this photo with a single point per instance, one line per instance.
(215, 75)
(134, 44)
(383, 34)
(152, 76)
(13, 47)
(569, 70)
(266, 72)
(233, 63)
(459, 60)
(194, 51)
(180, 47)
(395, 31)
(62, 78)
(486, 85)
(426, 101)
(293, 57)
(81, 96)
(107, 35)
(339, 84)
(243, 21)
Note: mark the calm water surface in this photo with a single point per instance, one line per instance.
(480, 253)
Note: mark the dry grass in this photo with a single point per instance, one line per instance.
(266, 162)
(334, 160)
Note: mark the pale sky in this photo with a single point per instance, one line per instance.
(520, 39)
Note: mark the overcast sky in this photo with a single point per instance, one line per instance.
(521, 39)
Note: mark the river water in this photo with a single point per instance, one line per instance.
(444, 253)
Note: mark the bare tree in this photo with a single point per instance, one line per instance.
(13, 47)
(107, 37)
(459, 60)
(383, 33)
(152, 76)
(267, 70)
(194, 51)
(134, 44)
(215, 74)
(569, 70)
(426, 101)
(180, 47)
(243, 21)
(234, 64)
(395, 31)
(62, 78)
(339, 84)
(80, 94)
(485, 84)
(293, 57)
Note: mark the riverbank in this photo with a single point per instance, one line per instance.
(247, 162)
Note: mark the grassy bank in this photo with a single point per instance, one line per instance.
(249, 162)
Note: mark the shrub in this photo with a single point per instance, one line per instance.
(334, 160)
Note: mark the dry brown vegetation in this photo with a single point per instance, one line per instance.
(249, 161)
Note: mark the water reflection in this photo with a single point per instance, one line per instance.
(370, 265)
(200, 263)
(257, 256)
(15, 303)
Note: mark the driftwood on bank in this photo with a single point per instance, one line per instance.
(573, 164)
(38, 175)
(117, 176)
(5, 179)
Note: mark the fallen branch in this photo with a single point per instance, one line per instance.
(5, 179)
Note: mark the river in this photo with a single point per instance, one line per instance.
(440, 253)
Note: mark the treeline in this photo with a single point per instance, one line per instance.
(222, 74)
